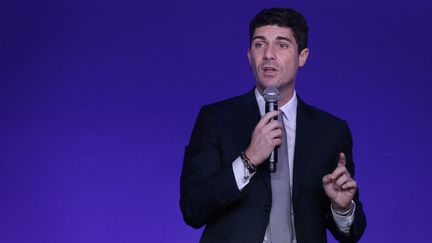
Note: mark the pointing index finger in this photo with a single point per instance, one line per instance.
(342, 159)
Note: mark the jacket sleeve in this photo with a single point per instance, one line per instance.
(207, 183)
(359, 224)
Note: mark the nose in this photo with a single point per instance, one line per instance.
(269, 53)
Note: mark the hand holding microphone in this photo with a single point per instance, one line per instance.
(267, 134)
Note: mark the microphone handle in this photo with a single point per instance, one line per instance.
(272, 106)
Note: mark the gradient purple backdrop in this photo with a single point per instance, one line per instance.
(98, 99)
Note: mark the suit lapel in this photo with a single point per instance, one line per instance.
(305, 135)
(249, 115)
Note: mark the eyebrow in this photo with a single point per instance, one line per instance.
(284, 38)
(258, 37)
(277, 38)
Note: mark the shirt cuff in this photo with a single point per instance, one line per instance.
(241, 173)
(344, 222)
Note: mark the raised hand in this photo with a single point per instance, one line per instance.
(339, 186)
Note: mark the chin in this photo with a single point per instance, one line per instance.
(269, 84)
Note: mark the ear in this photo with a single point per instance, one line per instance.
(303, 57)
(249, 56)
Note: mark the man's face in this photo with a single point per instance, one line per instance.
(274, 57)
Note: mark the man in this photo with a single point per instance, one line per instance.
(226, 183)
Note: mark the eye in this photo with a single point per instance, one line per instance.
(283, 45)
(259, 45)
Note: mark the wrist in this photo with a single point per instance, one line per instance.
(247, 163)
(343, 211)
(251, 157)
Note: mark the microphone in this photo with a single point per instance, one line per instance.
(271, 96)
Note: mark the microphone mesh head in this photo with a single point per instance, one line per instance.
(271, 94)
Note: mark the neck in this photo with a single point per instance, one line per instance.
(285, 97)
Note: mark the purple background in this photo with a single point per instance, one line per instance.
(98, 99)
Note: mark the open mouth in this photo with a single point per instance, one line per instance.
(269, 70)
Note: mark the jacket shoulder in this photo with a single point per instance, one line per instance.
(232, 103)
(320, 115)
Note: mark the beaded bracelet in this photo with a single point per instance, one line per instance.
(247, 163)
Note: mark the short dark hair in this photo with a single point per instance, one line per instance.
(283, 17)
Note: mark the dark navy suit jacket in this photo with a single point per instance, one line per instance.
(209, 193)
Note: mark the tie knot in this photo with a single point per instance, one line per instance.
(281, 117)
